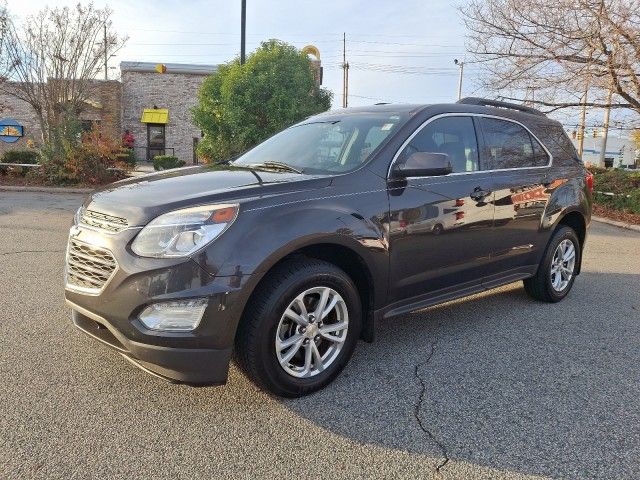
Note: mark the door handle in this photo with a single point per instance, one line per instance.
(479, 194)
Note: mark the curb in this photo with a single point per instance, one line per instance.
(628, 226)
(12, 188)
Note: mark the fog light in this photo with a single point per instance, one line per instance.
(177, 316)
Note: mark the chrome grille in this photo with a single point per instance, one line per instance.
(89, 268)
(103, 221)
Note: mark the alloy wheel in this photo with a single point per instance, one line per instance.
(311, 332)
(562, 265)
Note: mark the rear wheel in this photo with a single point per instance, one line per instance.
(557, 271)
(300, 328)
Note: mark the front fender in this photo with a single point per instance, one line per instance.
(266, 235)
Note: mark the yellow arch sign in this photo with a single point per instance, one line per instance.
(312, 50)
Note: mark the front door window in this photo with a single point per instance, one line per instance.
(155, 140)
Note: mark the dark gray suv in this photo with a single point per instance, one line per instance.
(289, 254)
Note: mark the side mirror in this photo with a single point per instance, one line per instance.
(423, 164)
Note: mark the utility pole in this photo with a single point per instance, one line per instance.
(583, 117)
(243, 31)
(605, 133)
(461, 65)
(106, 58)
(345, 72)
(583, 114)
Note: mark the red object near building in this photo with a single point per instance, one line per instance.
(127, 139)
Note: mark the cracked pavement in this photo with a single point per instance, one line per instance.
(492, 386)
(418, 410)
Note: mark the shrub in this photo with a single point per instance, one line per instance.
(164, 162)
(93, 161)
(615, 181)
(624, 185)
(31, 157)
(126, 156)
(21, 156)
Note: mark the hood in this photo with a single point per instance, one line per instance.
(142, 198)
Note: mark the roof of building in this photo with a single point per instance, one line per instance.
(190, 68)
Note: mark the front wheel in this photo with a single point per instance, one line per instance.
(300, 328)
(558, 268)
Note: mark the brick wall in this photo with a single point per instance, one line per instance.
(105, 104)
(11, 107)
(174, 91)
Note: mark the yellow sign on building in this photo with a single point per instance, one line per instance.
(155, 115)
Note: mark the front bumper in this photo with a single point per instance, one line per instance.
(200, 356)
(186, 365)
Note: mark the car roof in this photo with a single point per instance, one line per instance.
(411, 110)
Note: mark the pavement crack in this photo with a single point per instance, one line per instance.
(418, 407)
(30, 251)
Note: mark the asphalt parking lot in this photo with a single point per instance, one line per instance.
(493, 386)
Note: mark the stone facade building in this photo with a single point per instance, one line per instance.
(171, 90)
(152, 101)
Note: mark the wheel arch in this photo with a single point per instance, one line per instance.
(340, 254)
(575, 220)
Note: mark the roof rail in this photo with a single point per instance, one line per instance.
(497, 103)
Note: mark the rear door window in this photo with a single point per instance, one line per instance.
(509, 145)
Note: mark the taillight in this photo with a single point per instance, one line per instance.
(589, 181)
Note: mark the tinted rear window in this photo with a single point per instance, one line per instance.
(509, 145)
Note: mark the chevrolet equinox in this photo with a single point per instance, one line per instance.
(289, 254)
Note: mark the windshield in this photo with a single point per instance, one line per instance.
(336, 145)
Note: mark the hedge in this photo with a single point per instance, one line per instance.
(622, 187)
(164, 162)
(31, 157)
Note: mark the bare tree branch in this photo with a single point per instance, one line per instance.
(51, 60)
(557, 49)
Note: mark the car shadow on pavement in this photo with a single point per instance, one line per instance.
(502, 381)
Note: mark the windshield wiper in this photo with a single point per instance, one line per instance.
(275, 166)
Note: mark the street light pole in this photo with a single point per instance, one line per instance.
(461, 65)
(243, 31)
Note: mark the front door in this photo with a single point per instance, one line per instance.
(440, 229)
(155, 140)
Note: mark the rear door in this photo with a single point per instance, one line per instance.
(521, 185)
(440, 229)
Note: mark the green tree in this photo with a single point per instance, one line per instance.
(241, 105)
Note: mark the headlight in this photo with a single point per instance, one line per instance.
(182, 232)
(78, 216)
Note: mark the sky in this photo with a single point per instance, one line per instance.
(398, 51)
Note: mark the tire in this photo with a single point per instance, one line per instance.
(291, 285)
(544, 285)
(437, 229)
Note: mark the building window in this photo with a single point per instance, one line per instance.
(155, 140)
